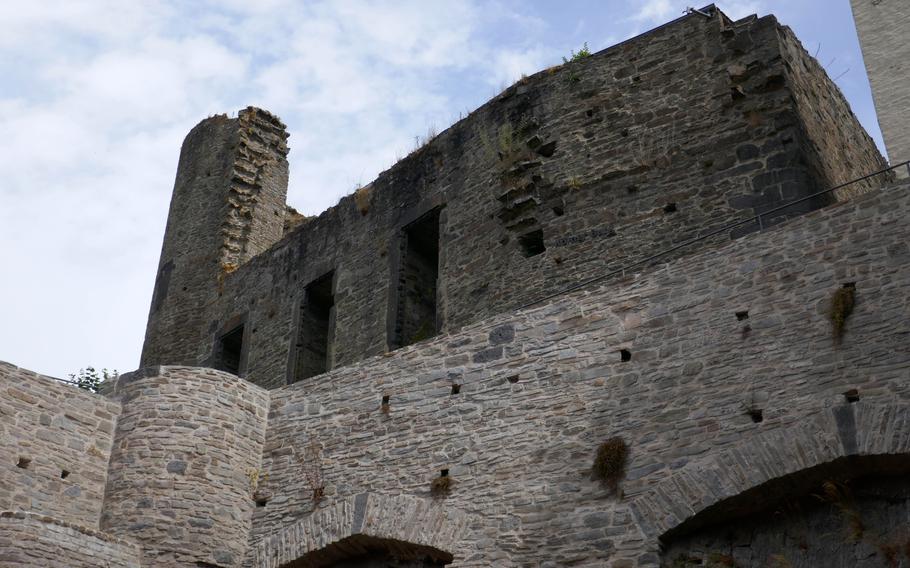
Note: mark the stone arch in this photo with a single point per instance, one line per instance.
(854, 438)
(399, 524)
(858, 429)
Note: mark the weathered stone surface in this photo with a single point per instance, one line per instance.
(882, 27)
(185, 494)
(718, 367)
(48, 428)
(29, 540)
(571, 172)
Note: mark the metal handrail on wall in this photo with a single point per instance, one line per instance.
(754, 219)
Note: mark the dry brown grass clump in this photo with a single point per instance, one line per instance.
(841, 307)
(362, 198)
(441, 486)
(610, 463)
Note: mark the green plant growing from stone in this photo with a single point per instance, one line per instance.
(89, 379)
(610, 462)
(256, 479)
(582, 53)
(841, 307)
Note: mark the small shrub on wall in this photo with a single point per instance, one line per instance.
(610, 462)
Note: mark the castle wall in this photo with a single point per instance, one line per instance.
(713, 339)
(601, 161)
(882, 28)
(28, 540)
(186, 453)
(228, 205)
(832, 143)
(56, 441)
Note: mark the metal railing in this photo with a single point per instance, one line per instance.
(754, 219)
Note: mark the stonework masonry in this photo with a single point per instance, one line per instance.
(403, 381)
(564, 175)
(883, 31)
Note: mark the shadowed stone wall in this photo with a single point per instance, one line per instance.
(541, 388)
(55, 440)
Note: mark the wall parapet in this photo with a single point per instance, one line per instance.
(30, 540)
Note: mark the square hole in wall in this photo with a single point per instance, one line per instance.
(852, 396)
(625, 355)
(456, 389)
(742, 315)
(532, 243)
(64, 474)
(23, 463)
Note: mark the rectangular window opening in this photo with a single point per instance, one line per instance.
(229, 351)
(316, 329)
(417, 281)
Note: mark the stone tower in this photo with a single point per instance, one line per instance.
(883, 27)
(228, 205)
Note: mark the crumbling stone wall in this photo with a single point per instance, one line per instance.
(734, 377)
(185, 465)
(228, 205)
(55, 441)
(565, 175)
(28, 540)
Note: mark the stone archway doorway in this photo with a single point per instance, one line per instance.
(363, 551)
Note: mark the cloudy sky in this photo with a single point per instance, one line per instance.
(96, 97)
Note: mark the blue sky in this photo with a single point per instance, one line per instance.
(96, 97)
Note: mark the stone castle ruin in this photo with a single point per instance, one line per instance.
(611, 318)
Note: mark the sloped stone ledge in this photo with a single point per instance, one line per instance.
(406, 519)
(31, 540)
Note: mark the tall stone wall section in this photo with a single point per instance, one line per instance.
(710, 340)
(55, 440)
(28, 540)
(882, 27)
(601, 161)
(228, 205)
(184, 465)
(831, 143)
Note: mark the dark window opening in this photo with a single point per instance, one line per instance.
(625, 355)
(456, 389)
(64, 474)
(756, 414)
(229, 349)
(743, 315)
(262, 502)
(443, 473)
(512, 379)
(23, 463)
(532, 243)
(852, 396)
(417, 281)
(670, 208)
(315, 331)
(385, 400)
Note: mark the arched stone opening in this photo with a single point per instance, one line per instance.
(367, 531)
(364, 551)
(850, 512)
